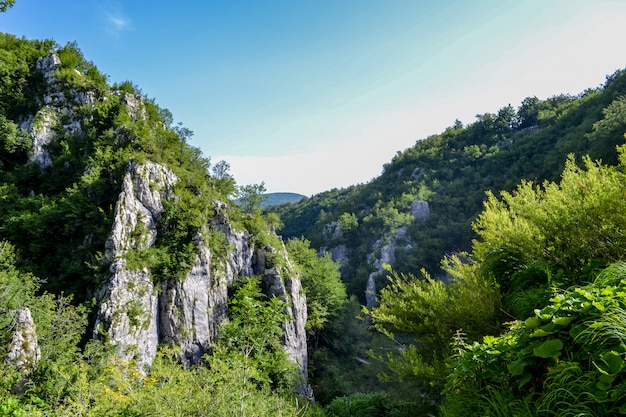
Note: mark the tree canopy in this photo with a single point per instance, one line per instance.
(6, 4)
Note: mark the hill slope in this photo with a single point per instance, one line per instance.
(447, 175)
(276, 199)
(104, 204)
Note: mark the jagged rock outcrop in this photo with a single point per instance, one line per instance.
(384, 250)
(339, 254)
(286, 285)
(128, 311)
(135, 315)
(57, 113)
(193, 310)
(24, 350)
(332, 231)
(420, 209)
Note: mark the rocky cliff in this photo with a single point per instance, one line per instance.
(136, 314)
(135, 311)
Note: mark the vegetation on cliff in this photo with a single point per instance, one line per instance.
(506, 297)
(67, 140)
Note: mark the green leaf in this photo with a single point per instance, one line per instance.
(601, 307)
(563, 321)
(533, 322)
(541, 333)
(548, 349)
(613, 360)
(516, 367)
(606, 379)
(577, 330)
(526, 378)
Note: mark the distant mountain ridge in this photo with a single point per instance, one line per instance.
(276, 199)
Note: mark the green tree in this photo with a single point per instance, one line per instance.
(422, 316)
(609, 131)
(224, 180)
(348, 222)
(321, 282)
(554, 235)
(253, 334)
(250, 197)
(528, 112)
(6, 4)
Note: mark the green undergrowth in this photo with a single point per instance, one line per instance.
(568, 358)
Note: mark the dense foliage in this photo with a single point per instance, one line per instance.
(565, 359)
(506, 303)
(246, 374)
(451, 171)
(545, 255)
(54, 222)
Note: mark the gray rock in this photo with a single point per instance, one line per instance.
(420, 209)
(384, 250)
(45, 124)
(24, 352)
(339, 254)
(42, 133)
(188, 313)
(48, 66)
(134, 105)
(193, 310)
(332, 231)
(127, 316)
(284, 283)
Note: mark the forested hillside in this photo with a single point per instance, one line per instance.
(131, 283)
(433, 216)
(451, 172)
(138, 279)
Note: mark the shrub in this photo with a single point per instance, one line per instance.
(568, 358)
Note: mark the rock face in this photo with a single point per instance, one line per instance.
(420, 209)
(286, 285)
(384, 250)
(136, 315)
(128, 311)
(57, 112)
(24, 350)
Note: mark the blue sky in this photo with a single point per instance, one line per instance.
(309, 95)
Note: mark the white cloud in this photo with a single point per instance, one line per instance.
(118, 22)
(114, 18)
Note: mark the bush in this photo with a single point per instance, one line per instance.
(566, 359)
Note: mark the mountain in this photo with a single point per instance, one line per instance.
(127, 272)
(420, 209)
(118, 239)
(276, 199)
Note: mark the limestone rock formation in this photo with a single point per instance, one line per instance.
(285, 284)
(128, 311)
(420, 209)
(58, 111)
(24, 350)
(384, 249)
(136, 315)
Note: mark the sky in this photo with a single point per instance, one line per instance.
(310, 95)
